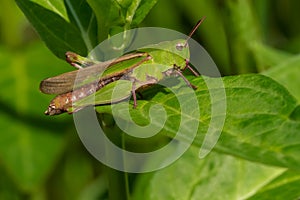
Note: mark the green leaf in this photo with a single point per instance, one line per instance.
(8, 189)
(57, 32)
(287, 74)
(259, 125)
(142, 11)
(71, 176)
(97, 188)
(28, 152)
(114, 16)
(109, 14)
(29, 145)
(53, 5)
(21, 75)
(267, 57)
(72, 25)
(10, 20)
(83, 17)
(243, 31)
(285, 186)
(215, 177)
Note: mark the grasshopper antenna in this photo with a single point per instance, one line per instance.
(181, 46)
(194, 29)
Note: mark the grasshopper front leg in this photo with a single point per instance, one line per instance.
(187, 66)
(135, 82)
(134, 94)
(177, 72)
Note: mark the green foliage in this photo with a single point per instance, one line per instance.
(257, 155)
(73, 24)
(59, 33)
(286, 73)
(262, 119)
(208, 179)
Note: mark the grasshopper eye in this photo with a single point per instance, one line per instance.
(180, 46)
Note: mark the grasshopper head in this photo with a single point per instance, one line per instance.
(180, 52)
(172, 52)
(56, 106)
(52, 110)
(181, 48)
(169, 52)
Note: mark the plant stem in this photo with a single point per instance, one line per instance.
(125, 173)
(118, 186)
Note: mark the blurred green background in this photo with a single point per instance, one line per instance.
(41, 157)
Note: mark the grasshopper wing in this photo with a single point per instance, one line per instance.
(65, 82)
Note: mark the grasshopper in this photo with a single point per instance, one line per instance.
(147, 66)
